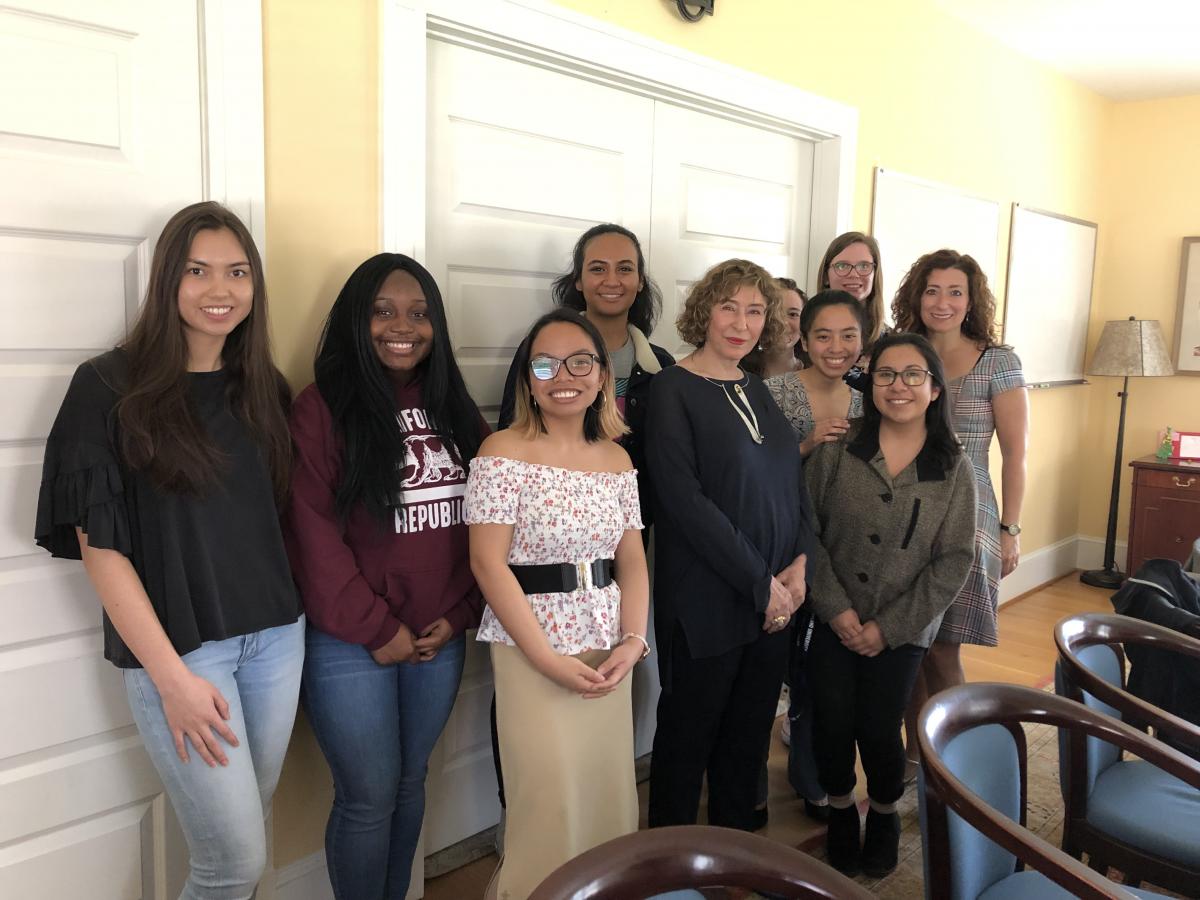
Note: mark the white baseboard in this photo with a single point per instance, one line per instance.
(1040, 567)
(305, 879)
(1091, 552)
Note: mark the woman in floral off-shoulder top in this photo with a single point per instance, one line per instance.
(552, 504)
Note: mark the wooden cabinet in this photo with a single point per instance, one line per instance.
(1164, 516)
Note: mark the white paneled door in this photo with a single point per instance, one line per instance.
(100, 141)
(521, 160)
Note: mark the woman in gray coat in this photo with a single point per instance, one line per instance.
(895, 512)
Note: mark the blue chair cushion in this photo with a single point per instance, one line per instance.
(1147, 808)
(1031, 885)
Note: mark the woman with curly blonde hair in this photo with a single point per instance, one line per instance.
(733, 528)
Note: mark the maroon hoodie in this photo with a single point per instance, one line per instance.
(359, 579)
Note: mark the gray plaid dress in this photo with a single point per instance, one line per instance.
(971, 619)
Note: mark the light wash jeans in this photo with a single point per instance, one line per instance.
(376, 726)
(221, 809)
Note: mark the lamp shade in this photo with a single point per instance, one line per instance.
(1131, 347)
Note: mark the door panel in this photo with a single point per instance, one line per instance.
(723, 189)
(101, 143)
(521, 161)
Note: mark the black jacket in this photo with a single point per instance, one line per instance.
(1162, 593)
(649, 360)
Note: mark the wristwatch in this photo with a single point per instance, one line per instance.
(1014, 530)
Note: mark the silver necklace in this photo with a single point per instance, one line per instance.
(749, 419)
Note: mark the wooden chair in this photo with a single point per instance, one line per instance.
(1124, 813)
(973, 762)
(648, 863)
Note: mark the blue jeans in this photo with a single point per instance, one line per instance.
(376, 726)
(221, 809)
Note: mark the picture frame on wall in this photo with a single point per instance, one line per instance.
(1187, 321)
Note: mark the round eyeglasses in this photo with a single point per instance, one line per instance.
(866, 267)
(910, 377)
(545, 367)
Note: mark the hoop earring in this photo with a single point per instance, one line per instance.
(599, 399)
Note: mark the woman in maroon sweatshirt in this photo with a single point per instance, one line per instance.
(378, 548)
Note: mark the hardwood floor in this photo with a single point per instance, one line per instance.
(1025, 656)
(1026, 653)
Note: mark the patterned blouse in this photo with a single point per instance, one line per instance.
(559, 516)
(789, 393)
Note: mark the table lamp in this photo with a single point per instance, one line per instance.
(1127, 347)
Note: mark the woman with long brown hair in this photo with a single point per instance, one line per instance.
(164, 473)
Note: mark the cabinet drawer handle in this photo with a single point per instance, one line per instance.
(1179, 482)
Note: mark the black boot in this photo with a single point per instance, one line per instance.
(881, 846)
(841, 840)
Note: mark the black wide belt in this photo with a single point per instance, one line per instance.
(562, 578)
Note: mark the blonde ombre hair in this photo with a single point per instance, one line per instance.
(603, 424)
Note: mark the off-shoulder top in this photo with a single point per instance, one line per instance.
(558, 516)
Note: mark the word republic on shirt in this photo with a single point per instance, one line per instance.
(434, 484)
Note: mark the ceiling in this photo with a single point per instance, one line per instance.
(1123, 49)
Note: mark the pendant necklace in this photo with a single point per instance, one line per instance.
(749, 419)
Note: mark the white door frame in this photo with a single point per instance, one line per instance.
(529, 31)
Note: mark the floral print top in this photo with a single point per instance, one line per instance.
(559, 516)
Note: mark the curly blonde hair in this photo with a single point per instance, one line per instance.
(720, 283)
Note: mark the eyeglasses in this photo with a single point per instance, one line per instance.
(862, 268)
(910, 377)
(546, 367)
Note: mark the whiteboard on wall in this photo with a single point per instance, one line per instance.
(911, 217)
(1051, 260)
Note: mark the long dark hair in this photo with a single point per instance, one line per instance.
(940, 440)
(361, 397)
(159, 431)
(647, 305)
(979, 324)
(600, 424)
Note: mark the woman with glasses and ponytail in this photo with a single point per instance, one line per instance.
(894, 508)
(556, 546)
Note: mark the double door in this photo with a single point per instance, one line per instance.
(523, 159)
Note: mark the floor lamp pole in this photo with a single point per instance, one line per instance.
(1110, 576)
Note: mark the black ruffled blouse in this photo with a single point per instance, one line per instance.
(214, 567)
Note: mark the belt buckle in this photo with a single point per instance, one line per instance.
(583, 576)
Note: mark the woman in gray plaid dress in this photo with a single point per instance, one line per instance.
(945, 297)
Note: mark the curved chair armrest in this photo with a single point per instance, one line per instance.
(968, 706)
(1074, 633)
(639, 865)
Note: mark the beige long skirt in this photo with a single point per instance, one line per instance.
(568, 769)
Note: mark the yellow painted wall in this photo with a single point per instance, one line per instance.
(1152, 201)
(322, 123)
(935, 100)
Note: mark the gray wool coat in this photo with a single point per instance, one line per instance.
(896, 550)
